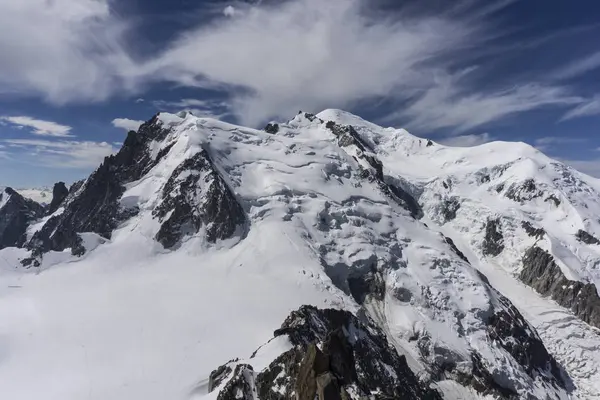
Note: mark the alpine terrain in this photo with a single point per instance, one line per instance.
(324, 257)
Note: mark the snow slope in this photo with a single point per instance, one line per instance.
(326, 224)
(480, 181)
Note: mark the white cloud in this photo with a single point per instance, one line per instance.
(127, 124)
(310, 54)
(229, 11)
(274, 58)
(586, 109)
(40, 127)
(62, 154)
(579, 67)
(447, 105)
(62, 50)
(466, 140)
(200, 108)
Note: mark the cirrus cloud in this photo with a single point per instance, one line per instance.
(60, 154)
(39, 127)
(274, 58)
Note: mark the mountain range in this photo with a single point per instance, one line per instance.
(323, 257)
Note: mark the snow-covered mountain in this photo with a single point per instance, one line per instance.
(42, 195)
(325, 256)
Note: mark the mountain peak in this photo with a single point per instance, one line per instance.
(391, 247)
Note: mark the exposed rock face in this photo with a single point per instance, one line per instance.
(586, 238)
(449, 207)
(59, 194)
(509, 329)
(272, 128)
(541, 272)
(455, 249)
(532, 231)
(95, 206)
(524, 191)
(196, 195)
(16, 213)
(370, 284)
(493, 243)
(348, 136)
(241, 386)
(333, 354)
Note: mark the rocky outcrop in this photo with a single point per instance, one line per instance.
(532, 231)
(95, 208)
(541, 272)
(367, 285)
(333, 354)
(272, 128)
(493, 242)
(524, 191)
(16, 213)
(509, 329)
(241, 386)
(196, 196)
(348, 136)
(586, 238)
(59, 194)
(455, 249)
(449, 207)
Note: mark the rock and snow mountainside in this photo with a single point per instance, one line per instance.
(16, 214)
(42, 195)
(336, 258)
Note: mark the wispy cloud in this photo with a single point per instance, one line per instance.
(448, 105)
(275, 58)
(549, 142)
(588, 108)
(127, 124)
(40, 127)
(467, 140)
(74, 50)
(60, 154)
(199, 107)
(310, 54)
(579, 67)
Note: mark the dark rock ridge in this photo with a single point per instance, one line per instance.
(183, 211)
(348, 136)
(272, 128)
(493, 242)
(333, 354)
(449, 207)
(532, 231)
(455, 249)
(524, 191)
(586, 238)
(15, 216)
(541, 272)
(59, 194)
(506, 329)
(509, 329)
(94, 206)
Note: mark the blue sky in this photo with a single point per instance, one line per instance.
(76, 74)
